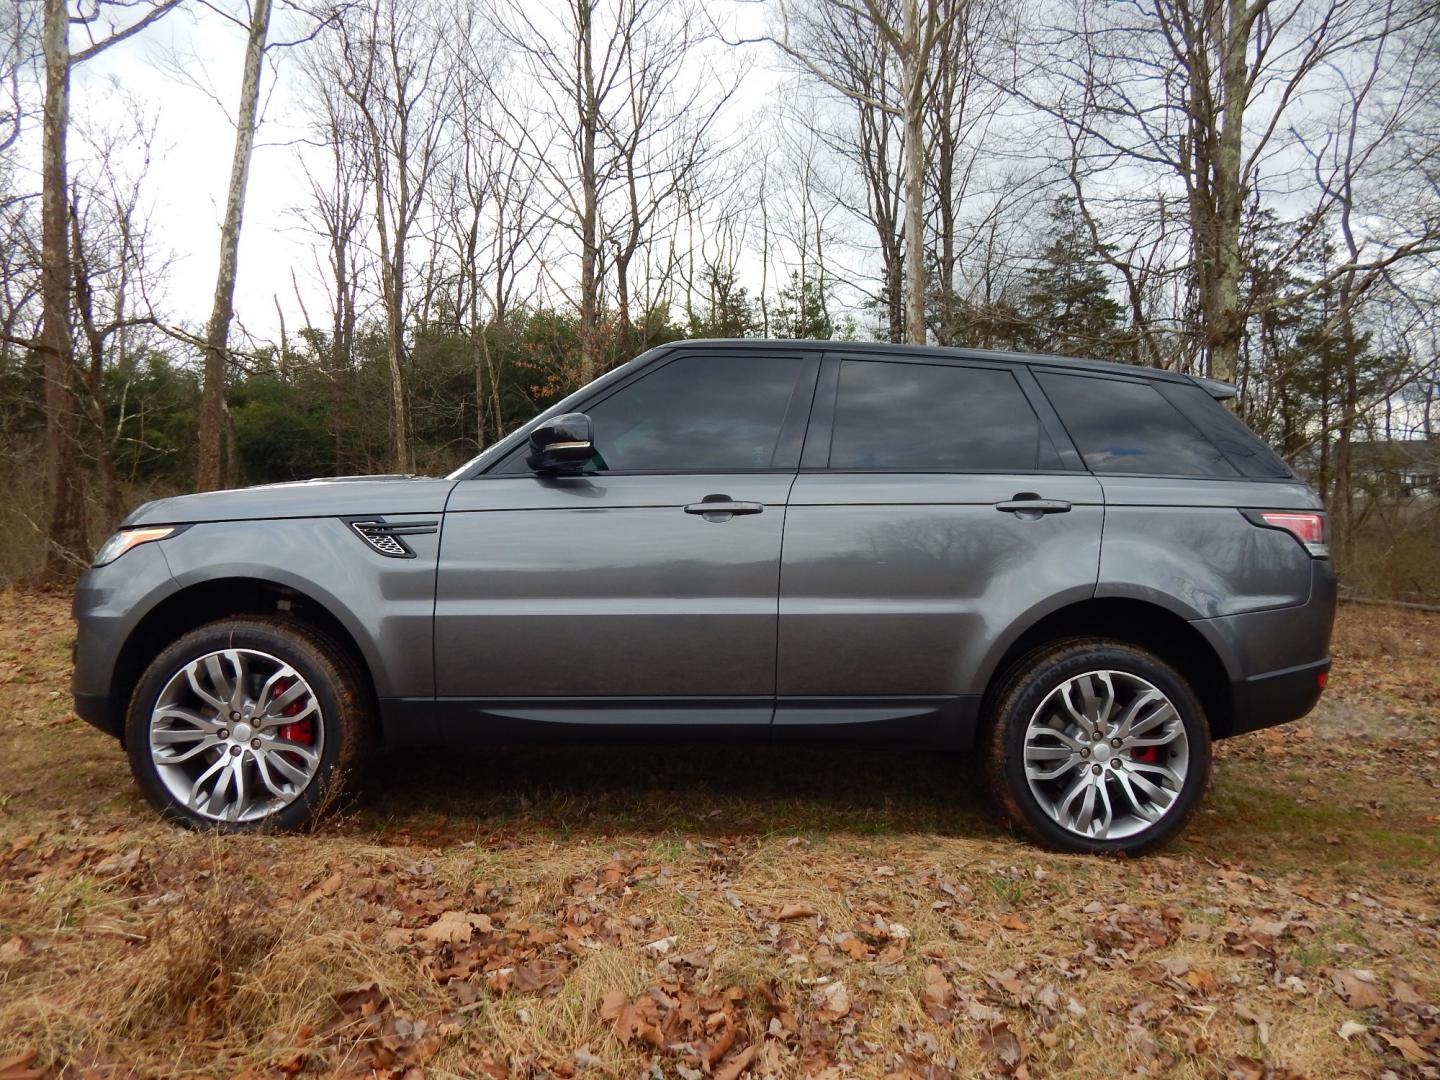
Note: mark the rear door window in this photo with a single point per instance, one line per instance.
(1123, 426)
(932, 417)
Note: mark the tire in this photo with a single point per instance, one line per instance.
(304, 729)
(1043, 787)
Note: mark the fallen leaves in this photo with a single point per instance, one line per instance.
(915, 954)
(19, 1067)
(377, 1038)
(1357, 988)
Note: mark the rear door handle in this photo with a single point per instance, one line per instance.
(1028, 503)
(723, 508)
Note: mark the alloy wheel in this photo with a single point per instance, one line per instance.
(1106, 755)
(236, 735)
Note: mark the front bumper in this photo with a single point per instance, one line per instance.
(110, 602)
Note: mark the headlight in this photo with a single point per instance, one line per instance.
(126, 539)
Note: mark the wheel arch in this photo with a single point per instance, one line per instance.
(1143, 623)
(205, 601)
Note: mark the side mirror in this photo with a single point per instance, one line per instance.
(562, 444)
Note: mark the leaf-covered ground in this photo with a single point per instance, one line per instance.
(727, 911)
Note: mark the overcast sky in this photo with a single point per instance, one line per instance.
(174, 72)
(190, 168)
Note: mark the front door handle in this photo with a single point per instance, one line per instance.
(722, 508)
(1028, 504)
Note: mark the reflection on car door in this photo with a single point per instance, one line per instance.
(646, 590)
(933, 511)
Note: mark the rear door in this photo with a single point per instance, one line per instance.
(935, 509)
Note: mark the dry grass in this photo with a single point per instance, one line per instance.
(135, 949)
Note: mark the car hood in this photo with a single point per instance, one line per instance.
(341, 496)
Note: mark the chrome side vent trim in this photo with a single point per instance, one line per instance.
(386, 537)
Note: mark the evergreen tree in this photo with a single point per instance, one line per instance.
(803, 310)
(1066, 306)
(729, 312)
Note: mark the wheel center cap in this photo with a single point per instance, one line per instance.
(1101, 752)
(241, 732)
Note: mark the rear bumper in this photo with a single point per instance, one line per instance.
(1275, 658)
(1277, 697)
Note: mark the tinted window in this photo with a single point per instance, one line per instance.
(921, 416)
(1241, 446)
(697, 414)
(1128, 427)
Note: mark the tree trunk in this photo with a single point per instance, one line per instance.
(65, 531)
(1225, 327)
(590, 210)
(914, 151)
(213, 419)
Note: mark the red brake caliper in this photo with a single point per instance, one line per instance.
(301, 731)
(1147, 754)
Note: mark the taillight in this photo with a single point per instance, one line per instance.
(1307, 526)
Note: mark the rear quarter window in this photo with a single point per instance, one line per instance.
(1123, 426)
(1241, 446)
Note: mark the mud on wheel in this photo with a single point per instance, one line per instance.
(246, 723)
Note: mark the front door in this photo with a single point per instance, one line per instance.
(644, 591)
(933, 513)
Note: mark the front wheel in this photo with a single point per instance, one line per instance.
(247, 723)
(1098, 747)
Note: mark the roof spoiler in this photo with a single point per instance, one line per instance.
(1216, 388)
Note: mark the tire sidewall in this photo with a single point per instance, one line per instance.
(1036, 679)
(327, 680)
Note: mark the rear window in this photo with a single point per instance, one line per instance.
(1241, 446)
(932, 417)
(1129, 427)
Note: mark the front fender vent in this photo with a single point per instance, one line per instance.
(386, 537)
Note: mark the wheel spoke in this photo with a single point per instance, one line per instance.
(241, 669)
(1170, 735)
(1164, 714)
(262, 767)
(176, 757)
(1101, 827)
(1147, 810)
(310, 708)
(200, 781)
(1158, 770)
(1077, 715)
(192, 675)
(287, 698)
(287, 768)
(189, 716)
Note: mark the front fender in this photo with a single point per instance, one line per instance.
(387, 605)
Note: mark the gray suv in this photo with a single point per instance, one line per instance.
(1082, 572)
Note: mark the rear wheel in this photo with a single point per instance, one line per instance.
(247, 723)
(1098, 746)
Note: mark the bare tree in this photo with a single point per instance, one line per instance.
(912, 31)
(488, 223)
(1212, 97)
(391, 66)
(66, 527)
(334, 213)
(222, 311)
